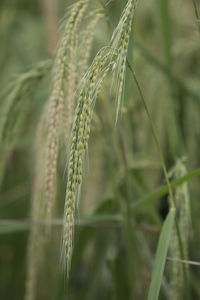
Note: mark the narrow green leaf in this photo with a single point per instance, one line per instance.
(155, 136)
(166, 29)
(163, 190)
(160, 258)
(12, 228)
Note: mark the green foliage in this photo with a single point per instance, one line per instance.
(95, 130)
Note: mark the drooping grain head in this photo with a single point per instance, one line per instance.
(57, 99)
(111, 57)
(79, 143)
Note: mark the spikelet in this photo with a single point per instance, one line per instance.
(79, 142)
(112, 57)
(183, 208)
(57, 100)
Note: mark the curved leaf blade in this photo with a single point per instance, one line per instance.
(161, 253)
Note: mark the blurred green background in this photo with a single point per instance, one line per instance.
(165, 53)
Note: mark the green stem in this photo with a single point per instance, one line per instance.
(128, 233)
(171, 200)
(182, 255)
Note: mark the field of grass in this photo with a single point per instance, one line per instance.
(99, 149)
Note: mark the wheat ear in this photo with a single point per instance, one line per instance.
(57, 103)
(108, 58)
(79, 143)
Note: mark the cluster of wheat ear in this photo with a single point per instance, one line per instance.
(62, 131)
(67, 116)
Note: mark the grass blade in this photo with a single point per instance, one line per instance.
(166, 33)
(163, 190)
(161, 253)
(155, 136)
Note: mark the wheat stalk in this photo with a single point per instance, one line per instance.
(182, 201)
(37, 238)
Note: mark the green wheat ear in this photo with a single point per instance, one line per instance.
(79, 143)
(182, 201)
(57, 99)
(112, 58)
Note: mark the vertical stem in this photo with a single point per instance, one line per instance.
(128, 233)
(166, 30)
(171, 199)
(174, 132)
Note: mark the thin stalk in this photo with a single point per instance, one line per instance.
(175, 140)
(166, 32)
(185, 270)
(128, 234)
(171, 199)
